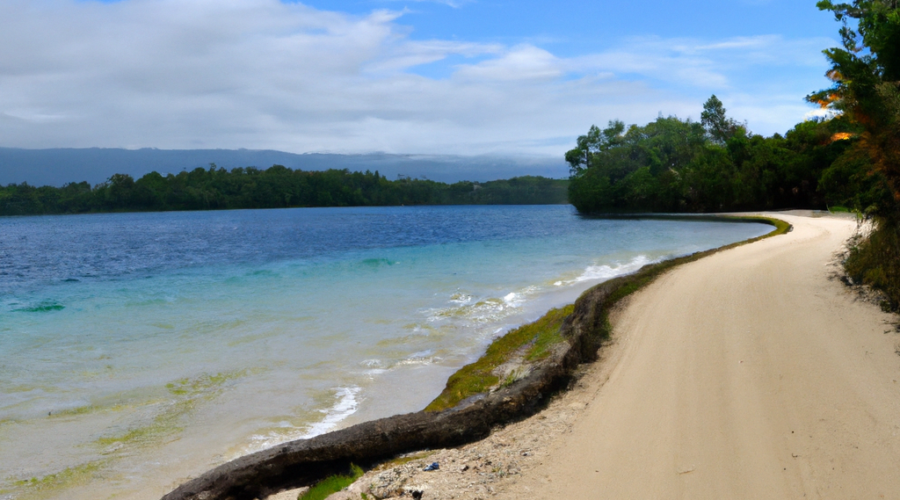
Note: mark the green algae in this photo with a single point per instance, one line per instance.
(539, 338)
(80, 410)
(189, 392)
(206, 382)
(534, 342)
(39, 487)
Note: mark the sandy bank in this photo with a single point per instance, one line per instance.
(749, 374)
(753, 373)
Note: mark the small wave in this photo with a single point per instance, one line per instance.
(605, 272)
(422, 358)
(516, 299)
(461, 298)
(346, 405)
(45, 306)
(374, 367)
(487, 310)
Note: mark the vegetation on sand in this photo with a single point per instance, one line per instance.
(532, 342)
(332, 484)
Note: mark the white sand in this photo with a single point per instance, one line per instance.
(752, 373)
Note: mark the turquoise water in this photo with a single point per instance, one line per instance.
(139, 349)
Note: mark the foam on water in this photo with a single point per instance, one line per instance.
(346, 405)
(606, 272)
(151, 347)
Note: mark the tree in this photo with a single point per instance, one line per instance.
(866, 89)
(595, 141)
(719, 127)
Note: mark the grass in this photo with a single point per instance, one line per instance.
(535, 341)
(332, 484)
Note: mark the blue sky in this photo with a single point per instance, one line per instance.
(467, 77)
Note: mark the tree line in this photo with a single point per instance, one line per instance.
(714, 165)
(850, 160)
(275, 187)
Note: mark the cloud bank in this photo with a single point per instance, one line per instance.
(263, 74)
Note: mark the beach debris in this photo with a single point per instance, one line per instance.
(415, 492)
(433, 466)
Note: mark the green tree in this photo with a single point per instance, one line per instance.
(719, 127)
(595, 141)
(866, 90)
(866, 76)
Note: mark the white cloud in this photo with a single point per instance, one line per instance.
(265, 74)
(523, 62)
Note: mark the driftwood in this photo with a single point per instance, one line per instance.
(306, 461)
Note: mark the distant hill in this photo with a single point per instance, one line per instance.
(55, 167)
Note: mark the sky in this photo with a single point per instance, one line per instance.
(464, 77)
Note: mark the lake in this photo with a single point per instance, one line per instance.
(137, 350)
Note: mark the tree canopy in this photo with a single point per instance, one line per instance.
(275, 187)
(865, 72)
(675, 165)
(866, 89)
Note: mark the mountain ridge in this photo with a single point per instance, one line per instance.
(58, 166)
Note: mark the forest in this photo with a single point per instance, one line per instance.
(216, 188)
(849, 161)
(674, 165)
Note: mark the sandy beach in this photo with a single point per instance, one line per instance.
(753, 373)
(749, 374)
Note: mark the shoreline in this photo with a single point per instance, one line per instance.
(763, 376)
(549, 376)
(785, 417)
(206, 435)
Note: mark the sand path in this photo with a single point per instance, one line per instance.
(747, 374)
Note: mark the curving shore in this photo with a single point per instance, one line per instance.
(753, 373)
(301, 462)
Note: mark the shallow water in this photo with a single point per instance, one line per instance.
(139, 349)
